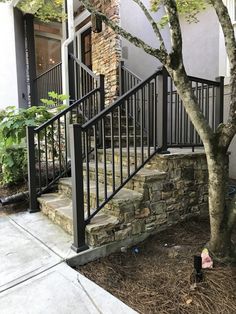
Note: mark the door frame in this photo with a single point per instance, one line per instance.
(78, 39)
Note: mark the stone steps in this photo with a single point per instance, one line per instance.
(168, 189)
(125, 155)
(59, 209)
(123, 201)
(143, 175)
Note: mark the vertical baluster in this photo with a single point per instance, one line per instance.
(199, 102)
(207, 103)
(66, 146)
(148, 118)
(135, 105)
(171, 111)
(155, 114)
(96, 164)
(213, 107)
(181, 121)
(112, 152)
(190, 123)
(120, 143)
(177, 125)
(142, 125)
(53, 156)
(104, 157)
(175, 117)
(46, 154)
(39, 162)
(59, 143)
(127, 135)
(87, 171)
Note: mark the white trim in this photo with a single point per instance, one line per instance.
(14, 3)
(48, 35)
(223, 58)
(78, 35)
(64, 47)
(80, 18)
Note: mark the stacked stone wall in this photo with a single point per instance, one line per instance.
(106, 50)
(179, 192)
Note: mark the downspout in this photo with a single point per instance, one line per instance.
(64, 47)
(14, 3)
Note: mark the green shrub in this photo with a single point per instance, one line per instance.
(13, 123)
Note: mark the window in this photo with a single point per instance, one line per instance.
(47, 46)
(48, 53)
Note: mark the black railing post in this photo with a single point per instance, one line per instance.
(77, 188)
(162, 124)
(219, 115)
(33, 204)
(101, 84)
(121, 78)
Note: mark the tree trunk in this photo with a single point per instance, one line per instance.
(220, 241)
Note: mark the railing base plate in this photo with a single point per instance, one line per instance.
(31, 211)
(164, 152)
(79, 249)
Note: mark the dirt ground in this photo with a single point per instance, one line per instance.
(157, 275)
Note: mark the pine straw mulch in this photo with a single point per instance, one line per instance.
(159, 279)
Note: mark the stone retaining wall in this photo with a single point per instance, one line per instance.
(179, 192)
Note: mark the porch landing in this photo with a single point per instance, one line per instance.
(34, 276)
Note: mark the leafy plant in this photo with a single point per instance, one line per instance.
(55, 100)
(13, 123)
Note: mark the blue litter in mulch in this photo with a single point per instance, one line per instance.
(231, 190)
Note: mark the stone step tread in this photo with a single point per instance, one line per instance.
(123, 195)
(143, 174)
(62, 206)
(124, 151)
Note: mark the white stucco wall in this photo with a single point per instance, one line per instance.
(8, 71)
(134, 21)
(201, 45)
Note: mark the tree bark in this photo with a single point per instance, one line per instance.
(219, 211)
(220, 241)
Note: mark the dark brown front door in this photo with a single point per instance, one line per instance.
(86, 48)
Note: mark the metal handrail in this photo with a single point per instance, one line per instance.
(203, 81)
(131, 72)
(121, 99)
(65, 111)
(87, 69)
(49, 70)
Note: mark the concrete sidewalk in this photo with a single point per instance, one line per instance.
(34, 278)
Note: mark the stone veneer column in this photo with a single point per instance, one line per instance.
(106, 50)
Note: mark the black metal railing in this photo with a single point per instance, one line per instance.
(50, 80)
(127, 79)
(147, 119)
(132, 143)
(81, 79)
(209, 94)
(119, 133)
(48, 145)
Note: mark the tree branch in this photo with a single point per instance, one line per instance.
(177, 71)
(160, 54)
(152, 22)
(175, 30)
(228, 131)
